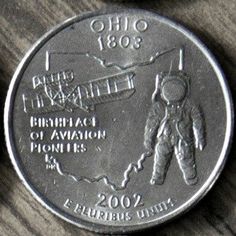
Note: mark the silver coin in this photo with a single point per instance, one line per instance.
(118, 121)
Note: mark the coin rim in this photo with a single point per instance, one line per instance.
(100, 227)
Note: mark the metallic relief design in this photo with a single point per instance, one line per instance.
(106, 64)
(102, 90)
(174, 127)
(173, 123)
(114, 124)
(53, 164)
(54, 92)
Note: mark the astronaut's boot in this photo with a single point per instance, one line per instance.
(159, 172)
(157, 179)
(191, 181)
(190, 175)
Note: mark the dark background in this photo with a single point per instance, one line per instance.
(22, 22)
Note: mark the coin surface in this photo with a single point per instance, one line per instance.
(118, 121)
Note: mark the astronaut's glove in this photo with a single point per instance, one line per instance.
(200, 144)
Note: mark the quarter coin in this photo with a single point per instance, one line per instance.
(118, 121)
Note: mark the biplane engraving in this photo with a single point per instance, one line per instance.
(54, 92)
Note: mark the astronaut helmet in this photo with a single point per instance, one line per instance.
(174, 88)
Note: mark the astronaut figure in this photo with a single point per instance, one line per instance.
(174, 127)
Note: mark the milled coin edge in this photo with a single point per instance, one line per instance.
(101, 228)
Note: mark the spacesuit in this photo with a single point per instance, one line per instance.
(174, 127)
